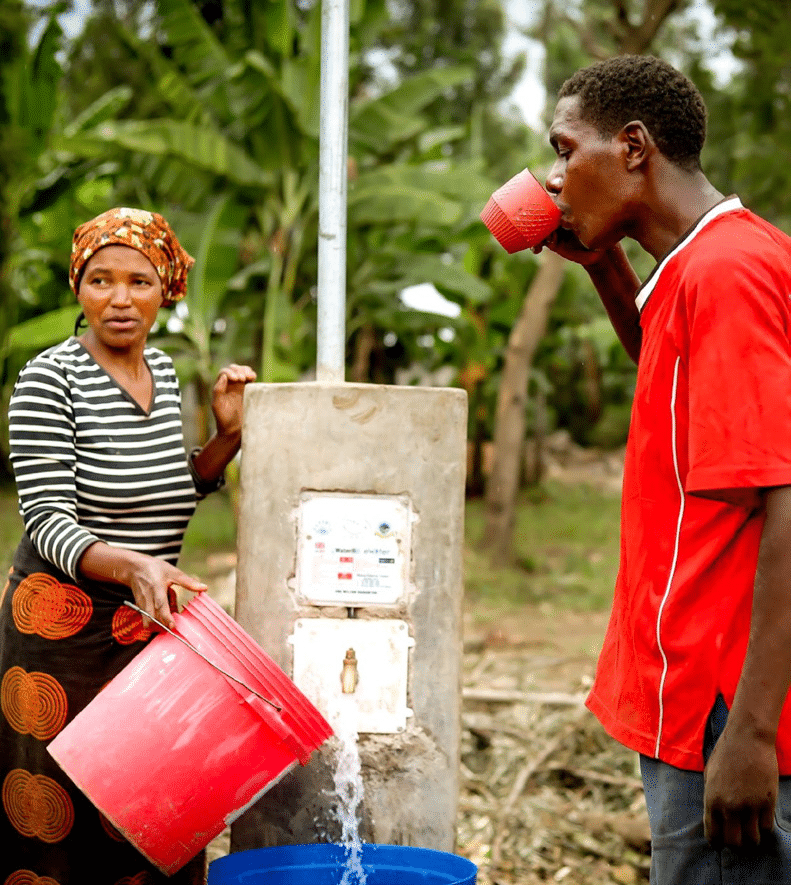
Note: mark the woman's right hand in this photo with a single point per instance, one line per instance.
(150, 584)
(148, 577)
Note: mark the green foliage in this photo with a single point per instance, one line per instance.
(209, 112)
(565, 551)
(32, 176)
(430, 34)
(195, 145)
(10, 527)
(750, 119)
(40, 332)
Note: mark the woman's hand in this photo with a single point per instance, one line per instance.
(150, 583)
(148, 577)
(227, 400)
(227, 397)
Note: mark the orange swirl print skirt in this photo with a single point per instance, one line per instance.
(60, 642)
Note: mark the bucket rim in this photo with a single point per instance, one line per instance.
(450, 868)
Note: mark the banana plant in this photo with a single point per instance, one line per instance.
(213, 239)
(243, 123)
(40, 200)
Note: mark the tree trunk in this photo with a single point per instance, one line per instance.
(476, 481)
(636, 39)
(509, 433)
(364, 344)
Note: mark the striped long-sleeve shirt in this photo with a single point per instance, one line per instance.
(91, 464)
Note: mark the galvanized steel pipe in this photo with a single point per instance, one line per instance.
(333, 153)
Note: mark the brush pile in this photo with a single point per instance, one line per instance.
(546, 795)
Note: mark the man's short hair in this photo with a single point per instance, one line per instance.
(619, 90)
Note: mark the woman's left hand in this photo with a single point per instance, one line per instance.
(227, 398)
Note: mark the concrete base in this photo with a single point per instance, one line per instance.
(361, 439)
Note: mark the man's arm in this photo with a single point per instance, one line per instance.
(742, 773)
(617, 284)
(615, 281)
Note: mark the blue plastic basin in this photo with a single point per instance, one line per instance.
(325, 863)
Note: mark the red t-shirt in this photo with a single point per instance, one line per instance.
(710, 428)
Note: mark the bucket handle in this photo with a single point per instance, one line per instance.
(201, 655)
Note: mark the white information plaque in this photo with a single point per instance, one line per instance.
(352, 550)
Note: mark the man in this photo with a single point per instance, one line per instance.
(695, 669)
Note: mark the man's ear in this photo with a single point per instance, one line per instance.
(637, 144)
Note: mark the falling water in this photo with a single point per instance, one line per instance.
(348, 787)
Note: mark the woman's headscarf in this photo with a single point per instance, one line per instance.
(148, 232)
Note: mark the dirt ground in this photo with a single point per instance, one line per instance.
(547, 796)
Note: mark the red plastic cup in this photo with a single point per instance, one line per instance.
(521, 214)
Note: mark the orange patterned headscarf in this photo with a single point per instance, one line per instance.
(148, 232)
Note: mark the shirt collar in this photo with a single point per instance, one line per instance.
(729, 204)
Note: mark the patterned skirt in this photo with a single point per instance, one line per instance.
(60, 643)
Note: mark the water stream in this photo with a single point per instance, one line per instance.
(348, 787)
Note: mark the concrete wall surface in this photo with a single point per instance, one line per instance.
(364, 440)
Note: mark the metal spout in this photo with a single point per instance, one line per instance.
(349, 675)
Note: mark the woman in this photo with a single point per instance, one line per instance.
(106, 491)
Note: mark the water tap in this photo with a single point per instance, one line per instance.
(349, 675)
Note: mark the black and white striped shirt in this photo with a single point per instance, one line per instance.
(91, 464)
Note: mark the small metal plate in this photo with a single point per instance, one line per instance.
(353, 550)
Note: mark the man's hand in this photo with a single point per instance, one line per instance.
(741, 781)
(566, 244)
(742, 773)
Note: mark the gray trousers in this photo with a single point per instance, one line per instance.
(680, 854)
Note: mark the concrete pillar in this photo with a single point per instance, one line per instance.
(407, 443)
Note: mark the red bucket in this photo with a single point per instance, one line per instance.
(188, 735)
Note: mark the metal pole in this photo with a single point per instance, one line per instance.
(333, 152)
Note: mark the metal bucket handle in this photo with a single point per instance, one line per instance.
(182, 640)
